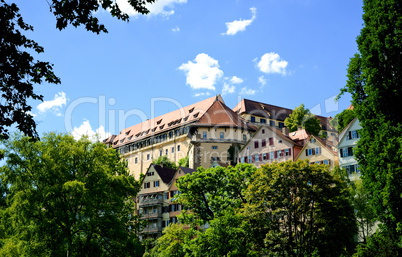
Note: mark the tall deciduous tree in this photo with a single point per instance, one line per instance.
(301, 117)
(67, 198)
(298, 209)
(375, 82)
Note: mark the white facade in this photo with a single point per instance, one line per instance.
(347, 142)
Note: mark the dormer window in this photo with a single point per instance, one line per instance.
(159, 122)
(191, 110)
(128, 132)
(196, 115)
(161, 127)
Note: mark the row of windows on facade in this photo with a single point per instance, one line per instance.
(327, 162)
(221, 135)
(149, 157)
(266, 156)
(153, 140)
(153, 224)
(159, 196)
(271, 122)
(264, 142)
(159, 210)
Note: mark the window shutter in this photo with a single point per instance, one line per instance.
(341, 152)
(290, 151)
(260, 157)
(306, 152)
(275, 154)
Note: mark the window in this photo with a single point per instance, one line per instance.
(148, 156)
(257, 157)
(313, 151)
(147, 185)
(156, 183)
(279, 152)
(173, 149)
(166, 152)
(264, 156)
(272, 123)
(281, 125)
(263, 142)
(352, 135)
(160, 152)
(326, 162)
(151, 173)
(347, 151)
(256, 144)
(263, 131)
(271, 155)
(287, 152)
(166, 195)
(244, 137)
(263, 120)
(271, 141)
(136, 160)
(222, 135)
(312, 140)
(214, 147)
(178, 148)
(204, 134)
(252, 119)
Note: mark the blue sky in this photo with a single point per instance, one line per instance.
(280, 52)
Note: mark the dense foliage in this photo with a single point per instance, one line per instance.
(342, 119)
(67, 198)
(281, 209)
(301, 117)
(375, 82)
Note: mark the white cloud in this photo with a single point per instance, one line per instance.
(176, 29)
(236, 80)
(86, 129)
(203, 73)
(272, 63)
(239, 25)
(247, 91)
(262, 81)
(228, 89)
(202, 94)
(58, 101)
(160, 7)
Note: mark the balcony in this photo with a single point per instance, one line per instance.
(152, 229)
(150, 201)
(153, 215)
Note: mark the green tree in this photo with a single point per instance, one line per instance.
(173, 242)
(375, 83)
(184, 162)
(208, 193)
(228, 235)
(165, 162)
(297, 209)
(301, 117)
(342, 119)
(19, 71)
(364, 212)
(67, 198)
